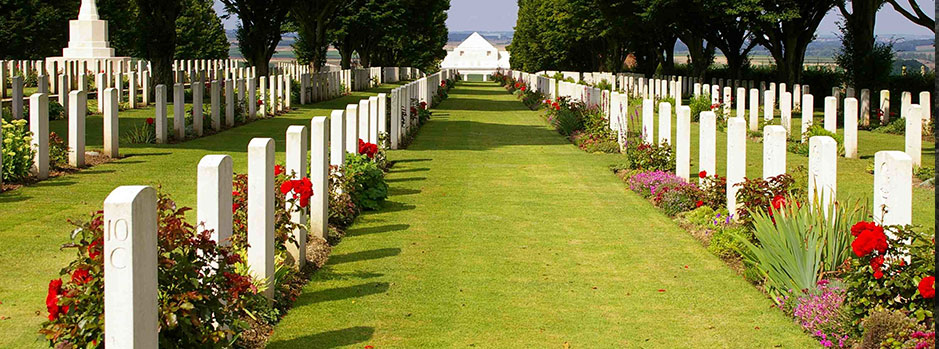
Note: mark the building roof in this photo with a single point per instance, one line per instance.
(476, 42)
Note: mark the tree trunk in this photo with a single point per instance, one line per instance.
(668, 62)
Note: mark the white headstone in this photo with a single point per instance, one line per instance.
(774, 150)
(768, 105)
(160, 121)
(111, 125)
(831, 114)
(914, 134)
(683, 142)
(131, 318)
(352, 129)
(736, 160)
(364, 107)
(925, 102)
(808, 115)
(198, 96)
(865, 111)
(337, 138)
(261, 211)
(319, 176)
(885, 106)
(214, 197)
(823, 170)
(39, 126)
(215, 98)
(665, 123)
(893, 188)
(647, 121)
(297, 147)
(785, 110)
(707, 159)
(373, 120)
(230, 103)
(76, 128)
(850, 128)
(179, 112)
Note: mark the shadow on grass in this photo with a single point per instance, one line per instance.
(402, 191)
(409, 160)
(364, 255)
(341, 293)
(328, 339)
(422, 169)
(327, 273)
(377, 230)
(394, 206)
(406, 179)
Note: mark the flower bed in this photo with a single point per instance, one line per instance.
(207, 297)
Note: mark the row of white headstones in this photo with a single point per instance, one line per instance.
(893, 170)
(276, 99)
(130, 212)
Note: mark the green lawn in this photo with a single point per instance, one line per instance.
(33, 224)
(854, 182)
(501, 234)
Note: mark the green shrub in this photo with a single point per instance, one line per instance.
(699, 104)
(58, 151)
(140, 134)
(896, 127)
(724, 240)
(758, 194)
(924, 172)
(56, 110)
(802, 148)
(650, 157)
(368, 180)
(18, 154)
(797, 244)
(714, 189)
(342, 211)
(681, 199)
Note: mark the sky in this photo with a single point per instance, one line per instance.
(500, 15)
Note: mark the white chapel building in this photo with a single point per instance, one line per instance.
(476, 56)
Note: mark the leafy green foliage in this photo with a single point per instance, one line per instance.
(802, 148)
(17, 153)
(650, 157)
(58, 151)
(758, 194)
(797, 244)
(199, 286)
(199, 32)
(897, 288)
(368, 182)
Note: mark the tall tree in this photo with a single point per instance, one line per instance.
(260, 30)
(159, 40)
(861, 58)
(312, 19)
(199, 32)
(34, 29)
(916, 14)
(731, 34)
(785, 28)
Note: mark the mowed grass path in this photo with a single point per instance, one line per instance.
(33, 219)
(501, 234)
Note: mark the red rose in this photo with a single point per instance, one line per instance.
(278, 169)
(862, 226)
(702, 174)
(94, 249)
(699, 203)
(869, 241)
(927, 287)
(877, 264)
(149, 121)
(81, 276)
(260, 102)
(234, 207)
(779, 201)
(52, 298)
